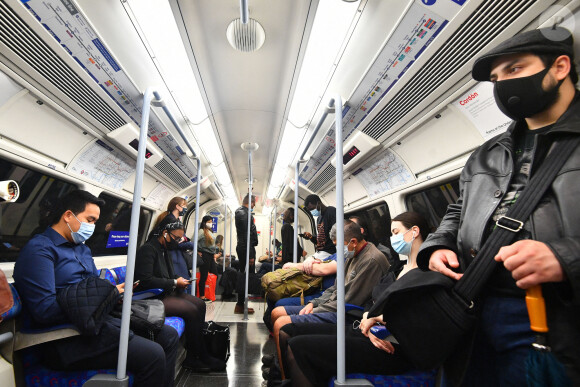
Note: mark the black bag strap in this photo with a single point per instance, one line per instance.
(477, 274)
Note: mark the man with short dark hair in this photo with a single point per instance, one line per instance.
(58, 258)
(326, 218)
(534, 84)
(364, 266)
(241, 216)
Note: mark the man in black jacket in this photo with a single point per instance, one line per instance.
(326, 218)
(288, 238)
(534, 83)
(242, 214)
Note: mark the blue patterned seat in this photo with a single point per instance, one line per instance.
(177, 323)
(37, 375)
(410, 379)
(16, 308)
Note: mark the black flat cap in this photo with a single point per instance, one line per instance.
(556, 40)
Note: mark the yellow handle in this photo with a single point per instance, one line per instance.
(536, 309)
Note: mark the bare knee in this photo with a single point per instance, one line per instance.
(278, 312)
(280, 322)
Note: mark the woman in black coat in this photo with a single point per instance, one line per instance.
(154, 269)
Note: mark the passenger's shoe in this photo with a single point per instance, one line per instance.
(195, 365)
(239, 309)
(206, 300)
(215, 364)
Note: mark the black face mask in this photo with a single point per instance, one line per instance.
(519, 98)
(171, 244)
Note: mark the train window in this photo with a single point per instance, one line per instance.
(111, 236)
(432, 202)
(20, 220)
(378, 221)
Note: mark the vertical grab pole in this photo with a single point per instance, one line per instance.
(160, 102)
(340, 354)
(297, 178)
(270, 237)
(225, 234)
(196, 229)
(275, 221)
(134, 228)
(231, 231)
(296, 185)
(248, 238)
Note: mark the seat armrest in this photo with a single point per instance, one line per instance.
(28, 337)
(144, 294)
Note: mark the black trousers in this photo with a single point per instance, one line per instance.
(314, 351)
(151, 363)
(241, 283)
(208, 265)
(192, 310)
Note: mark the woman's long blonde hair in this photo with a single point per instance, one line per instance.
(173, 203)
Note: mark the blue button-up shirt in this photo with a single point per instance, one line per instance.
(49, 262)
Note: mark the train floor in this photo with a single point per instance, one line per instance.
(249, 340)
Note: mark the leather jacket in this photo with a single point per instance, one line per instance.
(242, 228)
(555, 221)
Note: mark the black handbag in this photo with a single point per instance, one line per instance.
(217, 340)
(147, 317)
(428, 313)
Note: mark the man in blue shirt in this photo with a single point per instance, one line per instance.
(58, 258)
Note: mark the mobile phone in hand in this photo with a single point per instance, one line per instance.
(136, 283)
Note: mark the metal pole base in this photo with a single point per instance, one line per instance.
(245, 310)
(353, 382)
(106, 380)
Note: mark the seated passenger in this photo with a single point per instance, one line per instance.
(153, 269)
(58, 258)
(364, 266)
(324, 268)
(326, 218)
(182, 262)
(311, 357)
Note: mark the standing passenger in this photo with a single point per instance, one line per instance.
(534, 83)
(58, 258)
(288, 238)
(209, 254)
(326, 219)
(242, 214)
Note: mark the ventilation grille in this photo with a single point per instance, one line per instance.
(476, 32)
(25, 44)
(324, 177)
(167, 169)
(246, 37)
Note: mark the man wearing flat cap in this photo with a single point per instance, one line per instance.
(534, 79)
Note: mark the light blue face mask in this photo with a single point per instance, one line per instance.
(400, 245)
(348, 254)
(85, 231)
(315, 212)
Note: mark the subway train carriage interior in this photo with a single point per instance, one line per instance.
(176, 192)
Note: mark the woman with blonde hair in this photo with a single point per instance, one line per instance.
(206, 246)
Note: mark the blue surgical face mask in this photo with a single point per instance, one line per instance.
(85, 231)
(315, 212)
(400, 245)
(348, 254)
